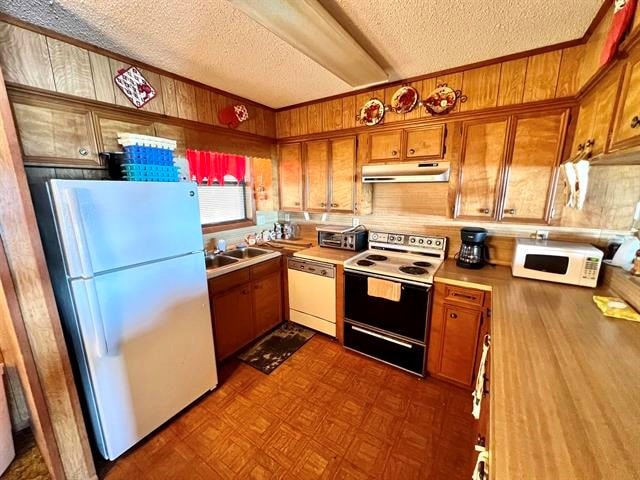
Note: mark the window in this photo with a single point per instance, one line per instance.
(223, 203)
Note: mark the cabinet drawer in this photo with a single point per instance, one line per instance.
(466, 296)
(265, 268)
(425, 142)
(225, 282)
(408, 356)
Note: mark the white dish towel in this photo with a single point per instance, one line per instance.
(478, 392)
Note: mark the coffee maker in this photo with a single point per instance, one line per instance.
(473, 251)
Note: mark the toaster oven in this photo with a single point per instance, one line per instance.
(344, 238)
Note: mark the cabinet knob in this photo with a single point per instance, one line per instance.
(394, 153)
(245, 292)
(481, 441)
(412, 151)
(323, 204)
(83, 151)
(296, 203)
(453, 315)
(485, 211)
(334, 205)
(635, 122)
(510, 211)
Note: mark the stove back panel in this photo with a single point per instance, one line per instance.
(407, 318)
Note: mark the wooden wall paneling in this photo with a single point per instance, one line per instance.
(415, 113)
(203, 105)
(228, 142)
(480, 85)
(102, 80)
(593, 48)
(332, 115)
(314, 118)
(568, 75)
(169, 97)
(172, 132)
(25, 57)
(249, 125)
(71, 69)
(295, 122)
(361, 99)
(283, 123)
(156, 105)
(348, 111)
(391, 116)
(121, 99)
(29, 274)
(186, 100)
(427, 86)
(261, 128)
(303, 120)
(512, 77)
(542, 76)
(217, 104)
(453, 80)
(270, 123)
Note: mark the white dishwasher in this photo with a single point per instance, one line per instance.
(312, 294)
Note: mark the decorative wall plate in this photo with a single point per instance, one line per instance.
(442, 99)
(371, 112)
(134, 86)
(404, 100)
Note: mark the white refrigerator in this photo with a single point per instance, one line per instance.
(127, 264)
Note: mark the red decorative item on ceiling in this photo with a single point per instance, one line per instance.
(233, 115)
(215, 166)
(134, 86)
(622, 16)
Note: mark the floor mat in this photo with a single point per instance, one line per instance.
(270, 352)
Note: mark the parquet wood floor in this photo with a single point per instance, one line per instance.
(326, 413)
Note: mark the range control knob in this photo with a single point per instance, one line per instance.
(374, 236)
(429, 242)
(391, 238)
(413, 240)
(421, 241)
(438, 243)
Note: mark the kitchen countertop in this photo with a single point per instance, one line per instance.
(323, 254)
(216, 272)
(565, 380)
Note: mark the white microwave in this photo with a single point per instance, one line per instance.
(563, 262)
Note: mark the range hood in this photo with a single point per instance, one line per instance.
(422, 172)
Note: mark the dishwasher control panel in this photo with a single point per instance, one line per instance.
(315, 268)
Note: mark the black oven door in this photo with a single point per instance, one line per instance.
(407, 317)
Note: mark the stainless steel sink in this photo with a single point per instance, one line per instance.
(217, 261)
(244, 253)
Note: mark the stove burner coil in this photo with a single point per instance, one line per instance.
(422, 264)
(412, 270)
(365, 263)
(377, 258)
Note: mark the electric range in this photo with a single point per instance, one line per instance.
(388, 297)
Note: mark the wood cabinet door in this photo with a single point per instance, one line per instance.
(173, 132)
(343, 169)
(109, 127)
(425, 142)
(385, 146)
(291, 177)
(537, 146)
(585, 123)
(460, 332)
(56, 135)
(626, 130)
(317, 175)
(232, 320)
(482, 158)
(267, 303)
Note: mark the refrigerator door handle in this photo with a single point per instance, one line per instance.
(100, 339)
(77, 227)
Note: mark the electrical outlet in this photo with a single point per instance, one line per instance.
(542, 234)
(355, 221)
(287, 217)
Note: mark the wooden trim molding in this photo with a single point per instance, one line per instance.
(221, 227)
(30, 277)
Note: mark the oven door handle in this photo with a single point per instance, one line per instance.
(377, 335)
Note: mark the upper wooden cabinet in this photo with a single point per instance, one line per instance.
(110, 125)
(407, 144)
(626, 129)
(173, 132)
(385, 146)
(55, 134)
(291, 177)
(596, 115)
(343, 166)
(317, 175)
(427, 142)
(530, 171)
(508, 167)
(482, 158)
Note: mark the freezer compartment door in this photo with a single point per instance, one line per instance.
(147, 343)
(105, 225)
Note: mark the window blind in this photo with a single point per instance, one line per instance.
(222, 203)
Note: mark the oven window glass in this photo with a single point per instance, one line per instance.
(547, 263)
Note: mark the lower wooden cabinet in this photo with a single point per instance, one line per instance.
(455, 336)
(244, 305)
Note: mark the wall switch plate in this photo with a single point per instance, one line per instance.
(287, 217)
(542, 234)
(306, 216)
(355, 222)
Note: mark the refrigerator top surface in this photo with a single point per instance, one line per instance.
(108, 225)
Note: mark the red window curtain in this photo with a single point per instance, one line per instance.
(215, 165)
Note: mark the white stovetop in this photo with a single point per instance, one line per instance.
(391, 266)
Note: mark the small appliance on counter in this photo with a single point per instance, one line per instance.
(286, 231)
(342, 237)
(563, 262)
(473, 251)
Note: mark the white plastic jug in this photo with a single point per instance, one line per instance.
(7, 452)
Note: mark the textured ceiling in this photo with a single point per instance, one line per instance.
(212, 42)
